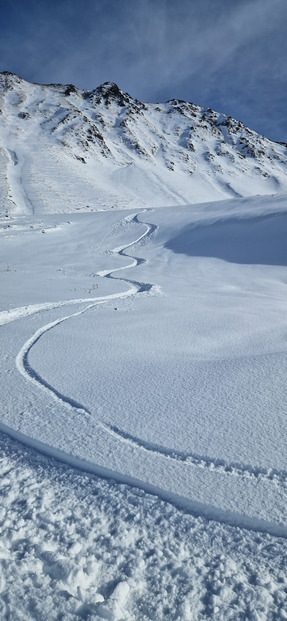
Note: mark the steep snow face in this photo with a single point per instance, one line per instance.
(62, 149)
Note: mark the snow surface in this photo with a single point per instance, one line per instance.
(143, 392)
(128, 357)
(75, 546)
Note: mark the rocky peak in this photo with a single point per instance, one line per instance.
(9, 80)
(109, 93)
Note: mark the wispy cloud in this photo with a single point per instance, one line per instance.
(228, 55)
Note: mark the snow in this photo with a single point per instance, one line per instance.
(79, 547)
(143, 388)
(167, 374)
(118, 151)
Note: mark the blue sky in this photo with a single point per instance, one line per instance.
(230, 55)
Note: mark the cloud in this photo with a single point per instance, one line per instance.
(227, 55)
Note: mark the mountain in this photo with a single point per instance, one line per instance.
(143, 360)
(59, 143)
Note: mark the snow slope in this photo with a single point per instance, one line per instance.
(139, 376)
(147, 347)
(117, 149)
(126, 356)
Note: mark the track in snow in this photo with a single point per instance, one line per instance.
(24, 367)
(233, 468)
(200, 461)
(121, 250)
(190, 459)
(21, 312)
(22, 359)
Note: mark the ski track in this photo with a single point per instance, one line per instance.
(141, 287)
(24, 367)
(14, 314)
(19, 179)
(22, 358)
(190, 459)
(200, 461)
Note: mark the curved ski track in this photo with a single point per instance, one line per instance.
(200, 461)
(190, 459)
(22, 361)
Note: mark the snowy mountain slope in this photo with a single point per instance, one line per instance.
(58, 143)
(147, 347)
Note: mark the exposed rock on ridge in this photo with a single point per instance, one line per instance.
(155, 154)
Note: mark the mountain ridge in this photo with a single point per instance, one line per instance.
(121, 152)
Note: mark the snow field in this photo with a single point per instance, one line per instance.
(75, 546)
(138, 360)
(167, 385)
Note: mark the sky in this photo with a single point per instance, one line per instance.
(229, 55)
